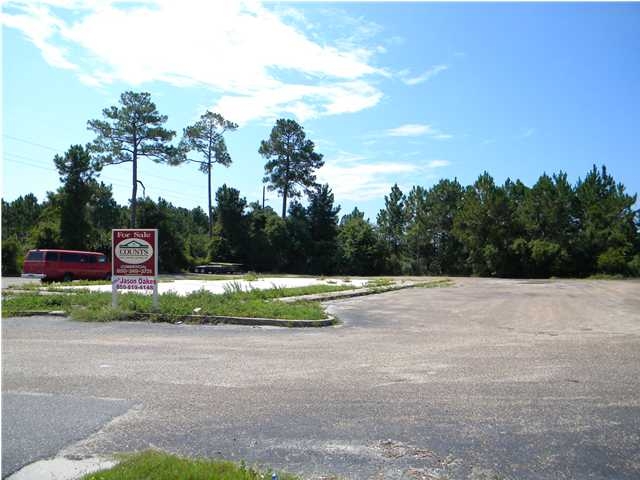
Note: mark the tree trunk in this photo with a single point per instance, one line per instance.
(284, 203)
(134, 190)
(286, 188)
(210, 209)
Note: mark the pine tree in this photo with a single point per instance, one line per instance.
(131, 131)
(77, 171)
(291, 161)
(206, 137)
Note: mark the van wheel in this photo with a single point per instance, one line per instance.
(67, 277)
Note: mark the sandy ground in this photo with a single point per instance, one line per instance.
(488, 379)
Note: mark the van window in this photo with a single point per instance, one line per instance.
(92, 259)
(35, 256)
(102, 259)
(51, 257)
(71, 257)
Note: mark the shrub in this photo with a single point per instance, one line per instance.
(612, 261)
(10, 261)
(634, 266)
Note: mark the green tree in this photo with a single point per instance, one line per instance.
(46, 232)
(441, 205)
(546, 215)
(206, 137)
(392, 225)
(77, 171)
(275, 230)
(606, 222)
(131, 131)
(10, 256)
(267, 239)
(299, 235)
(323, 219)
(104, 215)
(230, 232)
(360, 252)
(291, 161)
(419, 238)
(171, 241)
(483, 225)
(20, 216)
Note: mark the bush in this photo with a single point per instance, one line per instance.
(634, 266)
(11, 264)
(612, 261)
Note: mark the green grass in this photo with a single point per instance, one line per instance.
(152, 465)
(94, 306)
(13, 303)
(278, 292)
(379, 282)
(445, 282)
(606, 276)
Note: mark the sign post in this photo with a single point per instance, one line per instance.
(134, 261)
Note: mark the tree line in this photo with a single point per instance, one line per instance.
(550, 228)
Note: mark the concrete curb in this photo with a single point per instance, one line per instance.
(201, 319)
(221, 319)
(325, 297)
(33, 313)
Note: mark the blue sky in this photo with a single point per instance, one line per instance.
(407, 93)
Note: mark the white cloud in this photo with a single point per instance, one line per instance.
(38, 25)
(303, 101)
(354, 181)
(417, 130)
(261, 63)
(438, 163)
(424, 76)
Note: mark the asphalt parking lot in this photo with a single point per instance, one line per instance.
(486, 379)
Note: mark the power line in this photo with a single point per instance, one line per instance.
(29, 142)
(21, 161)
(172, 180)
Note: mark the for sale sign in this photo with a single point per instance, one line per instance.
(135, 253)
(134, 260)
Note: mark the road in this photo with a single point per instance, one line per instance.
(17, 281)
(486, 379)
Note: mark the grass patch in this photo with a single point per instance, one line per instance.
(250, 277)
(96, 306)
(606, 276)
(379, 282)
(444, 282)
(29, 302)
(152, 465)
(279, 292)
